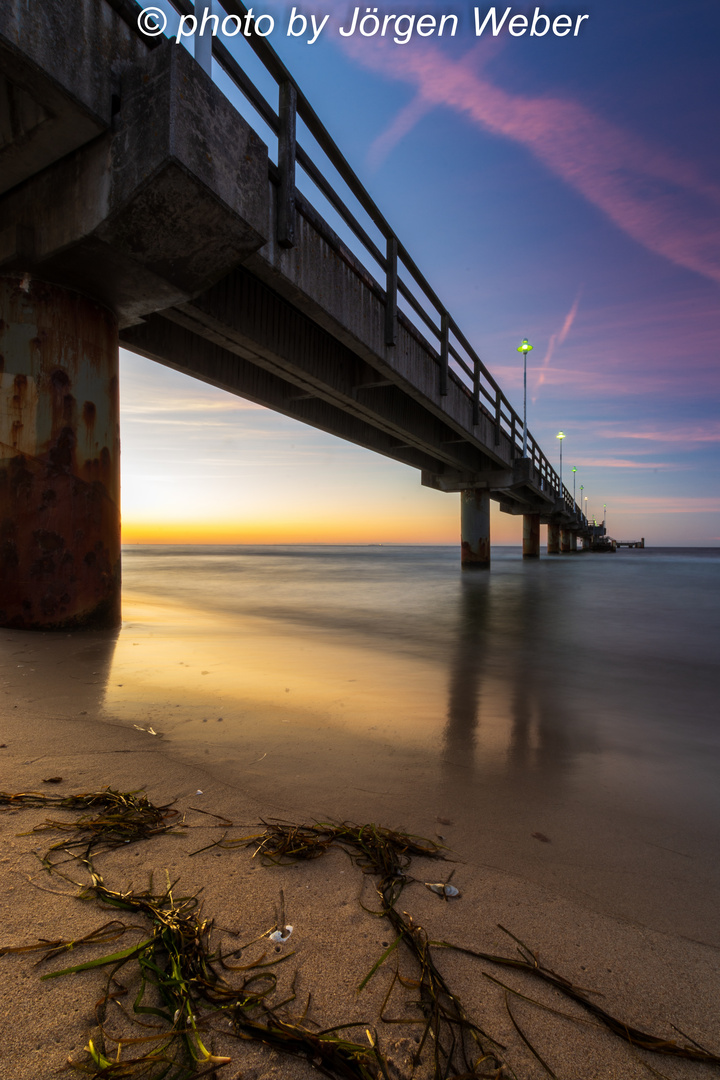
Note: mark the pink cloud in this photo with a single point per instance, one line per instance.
(622, 463)
(404, 122)
(650, 504)
(413, 112)
(704, 432)
(663, 203)
(602, 376)
(556, 339)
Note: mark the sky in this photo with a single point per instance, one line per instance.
(563, 189)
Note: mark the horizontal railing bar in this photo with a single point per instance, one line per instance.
(471, 352)
(304, 160)
(463, 363)
(231, 67)
(416, 305)
(308, 211)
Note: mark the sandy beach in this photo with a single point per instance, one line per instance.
(61, 717)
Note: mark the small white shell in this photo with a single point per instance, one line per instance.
(277, 935)
(442, 889)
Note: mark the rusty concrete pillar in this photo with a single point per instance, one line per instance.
(531, 536)
(475, 529)
(553, 540)
(573, 542)
(565, 535)
(59, 459)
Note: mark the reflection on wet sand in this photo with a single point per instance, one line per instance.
(68, 672)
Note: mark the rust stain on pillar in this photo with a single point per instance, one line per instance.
(565, 544)
(475, 529)
(59, 459)
(553, 539)
(475, 554)
(531, 536)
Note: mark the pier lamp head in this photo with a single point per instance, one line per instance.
(574, 469)
(560, 435)
(525, 347)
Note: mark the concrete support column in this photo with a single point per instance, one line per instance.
(553, 540)
(59, 459)
(531, 536)
(565, 535)
(573, 541)
(475, 529)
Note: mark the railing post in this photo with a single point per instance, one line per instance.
(444, 345)
(286, 165)
(391, 280)
(476, 393)
(203, 44)
(498, 406)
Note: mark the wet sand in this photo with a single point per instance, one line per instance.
(602, 902)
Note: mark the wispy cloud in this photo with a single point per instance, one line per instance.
(555, 340)
(593, 378)
(702, 432)
(623, 463)
(403, 122)
(197, 403)
(662, 202)
(415, 110)
(651, 504)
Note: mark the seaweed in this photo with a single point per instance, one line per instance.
(124, 818)
(529, 963)
(189, 992)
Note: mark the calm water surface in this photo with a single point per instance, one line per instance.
(573, 697)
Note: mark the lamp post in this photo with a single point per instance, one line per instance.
(574, 471)
(525, 349)
(561, 435)
(582, 488)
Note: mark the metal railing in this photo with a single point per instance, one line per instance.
(451, 351)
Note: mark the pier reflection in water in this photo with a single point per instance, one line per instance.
(570, 698)
(510, 697)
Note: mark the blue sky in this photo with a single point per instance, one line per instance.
(564, 190)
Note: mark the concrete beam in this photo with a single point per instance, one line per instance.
(321, 278)
(157, 209)
(243, 315)
(60, 65)
(175, 346)
(492, 480)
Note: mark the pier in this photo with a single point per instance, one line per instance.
(139, 208)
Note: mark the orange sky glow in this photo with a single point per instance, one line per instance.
(363, 529)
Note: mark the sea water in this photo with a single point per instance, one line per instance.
(555, 718)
